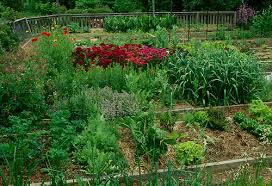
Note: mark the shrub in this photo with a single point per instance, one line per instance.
(126, 6)
(143, 23)
(21, 92)
(189, 153)
(8, 40)
(262, 21)
(212, 74)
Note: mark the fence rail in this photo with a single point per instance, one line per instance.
(26, 26)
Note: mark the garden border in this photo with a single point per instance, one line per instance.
(214, 167)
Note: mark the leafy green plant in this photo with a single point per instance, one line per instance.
(74, 27)
(217, 120)
(150, 140)
(21, 92)
(261, 22)
(143, 23)
(212, 74)
(168, 120)
(213, 119)
(97, 147)
(261, 111)
(189, 153)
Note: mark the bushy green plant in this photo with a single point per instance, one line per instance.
(213, 74)
(153, 83)
(261, 111)
(200, 118)
(8, 40)
(217, 120)
(189, 152)
(97, 147)
(213, 119)
(143, 23)
(168, 120)
(149, 139)
(21, 92)
(73, 27)
(258, 128)
(126, 6)
(262, 21)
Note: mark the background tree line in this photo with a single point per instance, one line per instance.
(96, 6)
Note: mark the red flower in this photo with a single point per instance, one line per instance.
(34, 39)
(47, 34)
(66, 31)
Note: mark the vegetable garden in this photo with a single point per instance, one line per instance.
(116, 101)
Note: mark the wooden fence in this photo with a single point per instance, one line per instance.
(26, 27)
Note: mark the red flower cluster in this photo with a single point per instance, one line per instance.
(66, 31)
(47, 34)
(104, 55)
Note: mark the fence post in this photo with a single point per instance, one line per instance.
(27, 24)
(234, 19)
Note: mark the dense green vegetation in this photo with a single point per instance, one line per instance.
(103, 106)
(96, 6)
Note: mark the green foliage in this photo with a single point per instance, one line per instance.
(189, 152)
(261, 111)
(56, 50)
(97, 147)
(21, 92)
(150, 140)
(126, 6)
(88, 102)
(212, 74)
(8, 40)
(168, 120)
(152, 83)
(213, 119)
(73, 27)
(200, 118)
(143, 23)
(260, 124)
(217, 120)
(62, 135)
(262, 22)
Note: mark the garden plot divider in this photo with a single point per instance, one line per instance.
(214, 167)
(26, 27)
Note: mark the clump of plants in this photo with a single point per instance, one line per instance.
(168, 120)
(189, 152)
(150, 140)
(97, 148)
(8, 40)
(215, 74)
(213, 119)
(262, 22)
(259, 121)
(105, 55)
(143, 23)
